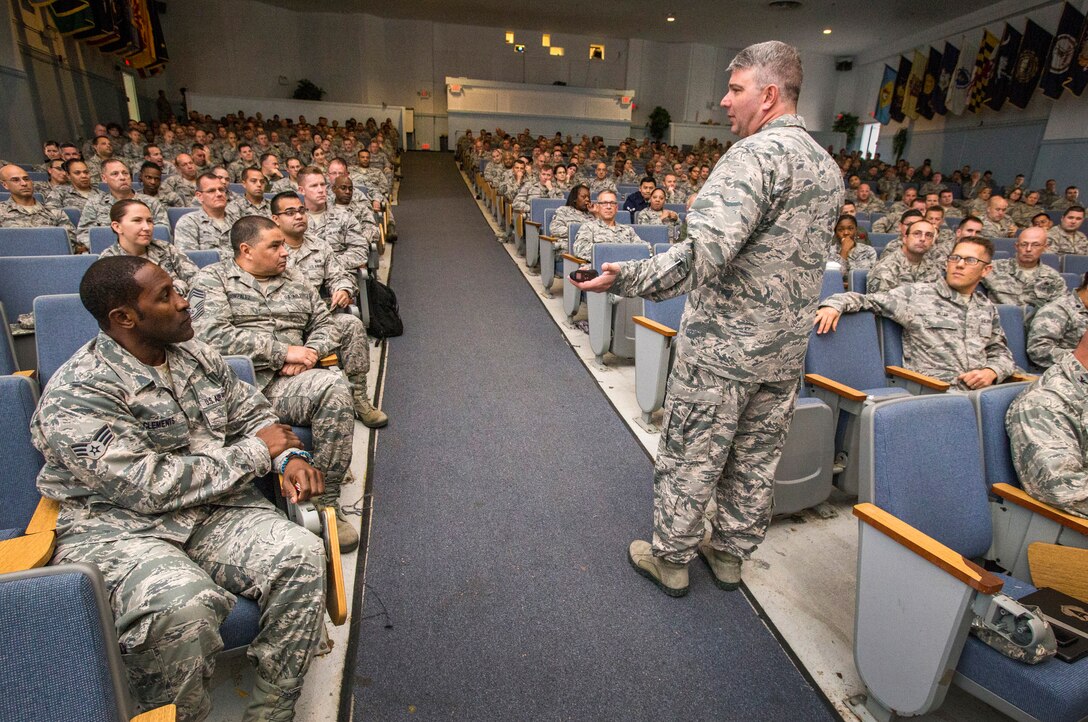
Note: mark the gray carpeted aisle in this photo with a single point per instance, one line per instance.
(506, 491)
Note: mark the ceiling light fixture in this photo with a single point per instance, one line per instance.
(671, 18)
(827, 31)
(785, 4)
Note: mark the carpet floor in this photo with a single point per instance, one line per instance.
(505, 493)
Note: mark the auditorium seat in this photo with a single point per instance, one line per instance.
(73, 215)
(49, 241)
(24, 278)
(175, 213)
(204, 257)
(1012, 323)
(62, 326)
(879, 241)
(533, 225)
(1073, 263)
(856, 281)
(102, 237)
(920, 543)
(611, 329)
(1072, 280)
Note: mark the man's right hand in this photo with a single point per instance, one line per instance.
(278, 438)
(301, 355)
(827, 319)
(603, 282)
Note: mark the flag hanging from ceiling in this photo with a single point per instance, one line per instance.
(914, 86)
(949, 59)
(929, 82)
(900, 90)
(984, 70)
(1004, 62)
(1063, 51)
(1079, 71)
(883, 112)
(71, 18)
(960, 90)
(152, 52)
(1029, 64)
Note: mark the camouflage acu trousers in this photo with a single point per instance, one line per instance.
(320, 399)
(169, 601)
(721, 437)
(354, 350)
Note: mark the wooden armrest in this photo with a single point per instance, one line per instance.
(336, 599)
(576, 259)
(1059, 568)
(929, 549)
(25, 374)
(533, 223)
(26, 552)
(45, 516)
(1021, 498)
(329, 361)
(166, 713)
(847, 392)
(654, 326)
(927, 381)
(1013, 378)
(550, 239)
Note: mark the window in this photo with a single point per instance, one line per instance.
(596, 52)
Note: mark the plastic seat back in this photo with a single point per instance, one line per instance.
(50, 241)
(24, 278)
(62, 327)
(991, 405)
(922, 461)
(22, 462)
(850, 354)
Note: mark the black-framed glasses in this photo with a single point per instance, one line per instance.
(968, 260)
(292, 212)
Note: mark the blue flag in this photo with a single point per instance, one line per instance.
(883, 112)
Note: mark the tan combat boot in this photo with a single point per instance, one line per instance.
(371, 417)
(672, 578)
(345, 532)
(724, 567)
(270, 703)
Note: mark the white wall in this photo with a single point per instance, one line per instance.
(360, 58)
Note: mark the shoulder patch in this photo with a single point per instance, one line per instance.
(96, 447)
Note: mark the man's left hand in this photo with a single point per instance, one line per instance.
(978, 378)
(340, 299)
(301, 481)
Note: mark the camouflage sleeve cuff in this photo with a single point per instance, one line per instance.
(256, 453)
(278, 355)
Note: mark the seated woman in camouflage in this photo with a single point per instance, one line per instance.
(845, 250)
(657, 215)
(132, 222)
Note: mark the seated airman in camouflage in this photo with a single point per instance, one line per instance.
(251, 202)
(151, 445)
(290, 181)
(80, 187)
(345, 195)
(846, 251)
(656, 214)
(1072, 198)
(911, 262)
(96, 211)
(673, 192)
(994, 223)
(150, 176)
(946, 202)
(103, 151)
(246, 159)
(603, 229)
(253, 306)
(22, 209)
(949, 332)
(207, 227)
(494, 169)
(1066, 236)
(866, 202)
(577, 210)
(540, 187)
(336, 225)
(602, 180)
(134, 225)
(1024, 281)
(1057, 327)
(1047, 435)
(898, 208)
(183, 183)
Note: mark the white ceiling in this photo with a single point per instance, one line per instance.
(856, 25)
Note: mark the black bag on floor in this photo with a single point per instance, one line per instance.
(384, 311)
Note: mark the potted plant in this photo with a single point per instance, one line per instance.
(899, 143)
(659, 123)
(846, 123)
(307, 90)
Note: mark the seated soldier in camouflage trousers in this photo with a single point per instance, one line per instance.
(151, 445)
(254, 306)
(1047, 435)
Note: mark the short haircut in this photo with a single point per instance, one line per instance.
(310, 170)
(647, 179)
(846, 217)
(247, 171)
(912, 213)
(148, 165)
(935, 208)
(1073, 209)
(98, 138)
(274, 204)
(245, 145)
(207, 175)
(266, 156)
(986, 243)
(774, 63)
(110, 283)
(69, 163)
(148, 147)
(69, 145)
(976, 219)
(247, 231)
(1041, 213)
(111, 161)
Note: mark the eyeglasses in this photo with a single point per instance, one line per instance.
(967, 260)
(607, 203)
(292, 212)
(922, 234)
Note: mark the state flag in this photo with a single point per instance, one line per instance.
(1063, 51)
(914, 86)
(960, 90)
(929, 82)
(883, 112)
(900, 90)
(1079, 72)
(1029, 64)
(984, 70)
(1004, 62)
(949, 59)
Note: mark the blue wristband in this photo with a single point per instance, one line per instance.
(292, 453)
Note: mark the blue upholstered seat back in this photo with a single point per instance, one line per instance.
(1075, 264)
(850, 354)
(51, 241)
(25, 278)
(618, 253)
(22, 462)
(62, 327)
(175, 213)
(667, 313)
(992, 404)
(891, 342)
(539, 205)
(652, 234)
(880, 240)
(927, 469)
(857, 281)
(203, 257)
(1012, 323)
(831, 284)
(8, 364)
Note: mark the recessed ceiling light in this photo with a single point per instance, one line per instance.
(827, 31)
(671, 18)
(785, 4)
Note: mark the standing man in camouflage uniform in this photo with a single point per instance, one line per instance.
(949, 332)
(253, 306)
(752, 264)
(1047, 434)
(22, 210)
(151, 445)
